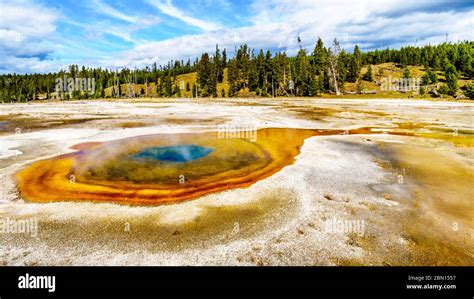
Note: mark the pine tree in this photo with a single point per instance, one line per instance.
(426, 79)
(407, 73)
(168, 85)
(261, 69)
(218, 65)
(320, 57)
(176, 91)
(451, 79)
(302, 75)
(224, 59)
(268, 71)
(403, 58)
(320, 61)
(194, 91)
(368, 74)
(343, 64)
(212, 87)
(204, 74)
(354, 65)
(469, 91)
(232, 78)
(429, 77)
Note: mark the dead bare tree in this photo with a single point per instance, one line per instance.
(333, 55)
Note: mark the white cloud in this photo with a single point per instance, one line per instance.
(273, 24)
(106, 9)
(278, 23)
(26, 30)
(191, 46)
(29, 65)
(142, 21)
(21, 22)
(363, 20)
(95, 31)
(169, 9)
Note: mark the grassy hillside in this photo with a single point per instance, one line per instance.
(373, 88)
(181, 80)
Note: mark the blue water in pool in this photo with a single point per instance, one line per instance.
(177, 153)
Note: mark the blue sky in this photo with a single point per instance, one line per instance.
(46, 35)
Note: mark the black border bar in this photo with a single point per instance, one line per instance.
(240, 282)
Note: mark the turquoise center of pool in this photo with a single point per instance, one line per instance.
(177, 153)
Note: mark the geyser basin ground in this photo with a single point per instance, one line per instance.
(424, 219)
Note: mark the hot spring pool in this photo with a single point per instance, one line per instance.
(162, 168)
